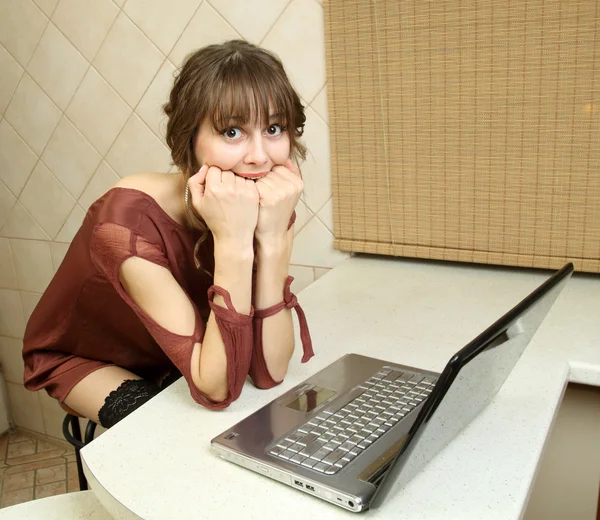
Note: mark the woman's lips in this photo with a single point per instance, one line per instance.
(251, 175)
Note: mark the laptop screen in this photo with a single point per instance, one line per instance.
(469, 382)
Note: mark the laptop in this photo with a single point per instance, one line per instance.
(363, 427)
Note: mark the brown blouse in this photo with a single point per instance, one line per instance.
(85, 320)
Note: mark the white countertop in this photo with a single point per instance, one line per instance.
(81, 505)
(158, 464)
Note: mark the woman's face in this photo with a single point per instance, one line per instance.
(250, 151)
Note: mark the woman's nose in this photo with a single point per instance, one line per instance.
(256, 154)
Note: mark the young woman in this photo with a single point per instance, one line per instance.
(184, 274)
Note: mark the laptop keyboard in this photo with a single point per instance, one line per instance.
(331, 440)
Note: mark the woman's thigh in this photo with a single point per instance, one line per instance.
(88, 396)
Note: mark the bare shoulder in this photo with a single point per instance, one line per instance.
(165, 188)
(148, 182)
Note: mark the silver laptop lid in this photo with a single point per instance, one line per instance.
(471, 379)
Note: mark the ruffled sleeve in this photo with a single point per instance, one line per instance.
(110, 246)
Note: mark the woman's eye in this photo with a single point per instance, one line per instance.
(232, 133)
(274, 130)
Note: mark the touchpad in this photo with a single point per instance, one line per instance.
(309, 399)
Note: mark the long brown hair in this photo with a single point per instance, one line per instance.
(219, 82)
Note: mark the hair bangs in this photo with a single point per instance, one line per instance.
(247, 94)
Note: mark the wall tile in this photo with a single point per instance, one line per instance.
(47, 200)
(319, 104)
(9, 79)
(303, 215)
(320, 271)
(12, 322)
(25, 407)
(251, 19)
(138, 149)
(8, 275)
(162, 22)
(57, 66)
(33, 264)
(128, 60)
(72, 225)
(206, 27)
(16, 159)
(302, 56)
(52, 415)
(47, 6)
(11, 358)
(150, 106)
(58, 250)
(316, 170)
(313, 246)
(85, 22)
(303, 277)
(29, 301)
(20, 224)
(7, 201)
(326, 215)
(32, 114)
(21, 26)
(104, 179)
(97, 111)
(71, 158)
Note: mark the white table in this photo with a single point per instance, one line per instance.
(81, 505)
(158, 464)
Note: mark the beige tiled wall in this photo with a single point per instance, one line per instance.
(81, 83)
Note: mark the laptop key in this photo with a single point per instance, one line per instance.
(286, 454)
(349, 457)
(276, 450)
(320, 455)
(355, 439)
(347, 446)
(294, 437)
(321, 467)
(285, 443)
(298, 458)
(332, 470)
(334, 456)
(295, 448)
(307, 439)
(311, 448)
(309, 463)
(319, 430)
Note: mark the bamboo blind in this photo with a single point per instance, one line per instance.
(466, 130)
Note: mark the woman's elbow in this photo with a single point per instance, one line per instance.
(216, 394)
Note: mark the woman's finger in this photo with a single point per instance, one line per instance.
(196, 190)
(227, 177)
(201, 175)
(292, 167)
(213, 176)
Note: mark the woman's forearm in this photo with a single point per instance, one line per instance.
(272, 258)
(233, 272)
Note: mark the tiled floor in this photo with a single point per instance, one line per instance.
(33, 467)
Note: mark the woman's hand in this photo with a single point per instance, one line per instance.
(279, 192)
(227, 203)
